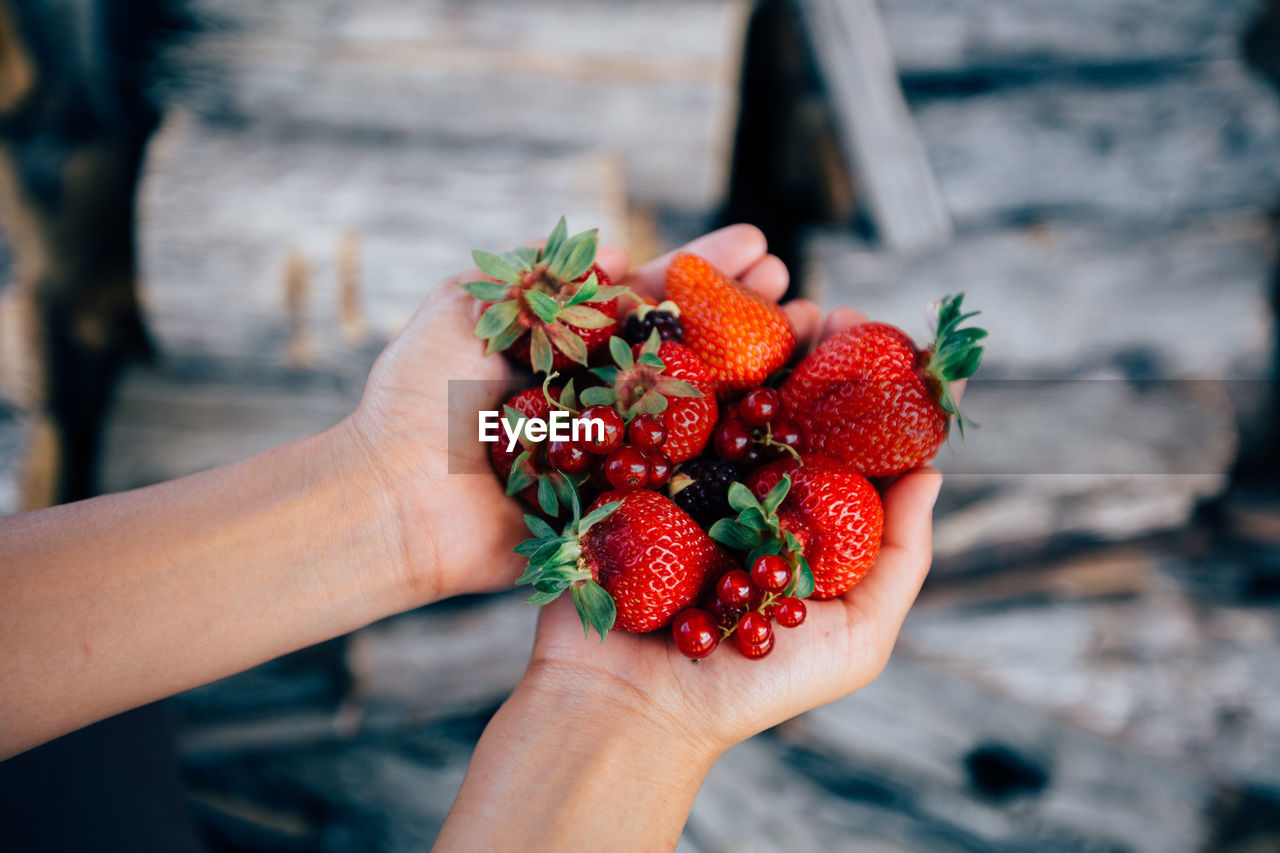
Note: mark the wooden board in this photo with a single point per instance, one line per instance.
(1159, 148)
(939, 37)
(894, 177)
(652, 83)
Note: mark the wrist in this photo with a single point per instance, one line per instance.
(605, 705)
(365, 504)
(561, 753)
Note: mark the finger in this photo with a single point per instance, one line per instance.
(840, 319)
(806, 318)
(767, 277)
(615, 262)
(906, 549)
(732, 249)
(957, 388)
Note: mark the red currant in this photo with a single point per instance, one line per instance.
(591, 438)
(732, 439)
(626, 468)
(771, 573)
(659, 468)
(647, 432)
(753, 652)
(695, 633)
(754, 629)
(568, 457)
(759, 407)
(785, 431)
(790, 612)
(734, 588)
(726, 616)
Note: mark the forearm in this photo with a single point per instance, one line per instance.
(114, 602)
(575, 769)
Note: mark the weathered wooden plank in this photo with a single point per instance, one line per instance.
(1075, 300)
(912, 737)
(653, 83)
(957, 36)
(1158, 149)
(221, 212)
(1112, 666)
(861, 82)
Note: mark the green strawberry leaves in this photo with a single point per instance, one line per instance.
(555, 566)
(534, 293)
(955, 354)
(757, 531)
(636, 385)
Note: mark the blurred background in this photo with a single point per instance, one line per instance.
(1095, 660)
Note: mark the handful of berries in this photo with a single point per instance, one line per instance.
(707, 493)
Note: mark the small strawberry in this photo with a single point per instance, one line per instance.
(660, 378)
(834, 514)
(632, 563)
(546, 308)
(869, 398)
(741, 336)
(525, 469)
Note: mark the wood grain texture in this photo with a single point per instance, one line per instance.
(894, 177)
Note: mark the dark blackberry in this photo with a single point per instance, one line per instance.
(636, 330)
(700, 487)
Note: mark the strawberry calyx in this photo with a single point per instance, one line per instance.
(556, 564)
(544, 293)
(636, 385)
(954, 355)
(758, 531)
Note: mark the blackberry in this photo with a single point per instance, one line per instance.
(636, 329)
(700, 487)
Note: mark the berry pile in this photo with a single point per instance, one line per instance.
(701, 491)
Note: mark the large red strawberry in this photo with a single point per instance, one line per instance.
(546, 308)
(661, 378)
(632, 563)
(871, 399)
(833, 513)
(741, 336)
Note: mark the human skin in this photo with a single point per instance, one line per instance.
(115, 602)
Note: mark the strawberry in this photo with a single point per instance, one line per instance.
(870, 398)
(833, 513)
(660, 378)
(632, 563)
(525, 469)
(741, 336)
(546, 308)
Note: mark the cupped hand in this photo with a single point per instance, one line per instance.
(458, 526)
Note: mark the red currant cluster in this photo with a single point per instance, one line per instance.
(744, 608)
(636, 464)
(754, 429)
